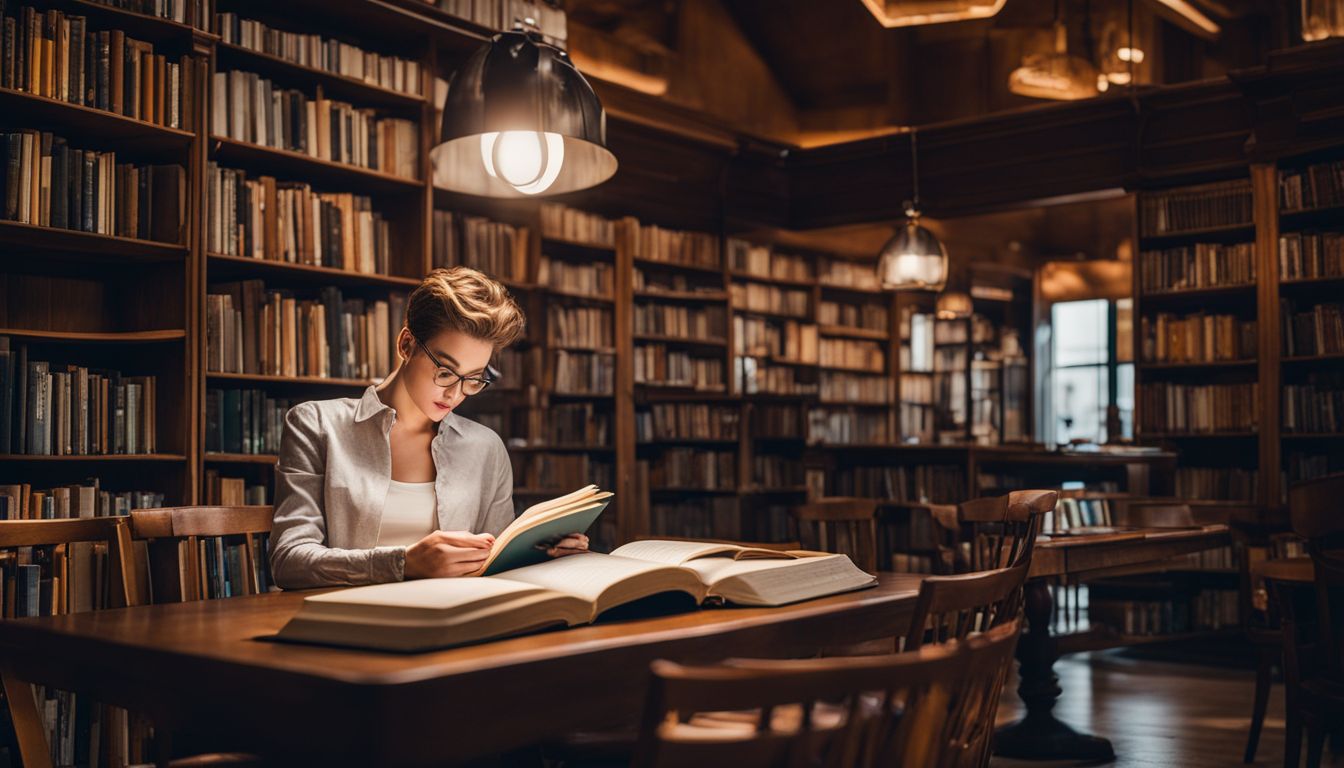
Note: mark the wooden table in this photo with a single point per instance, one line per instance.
(1039, 735)
(206, 666)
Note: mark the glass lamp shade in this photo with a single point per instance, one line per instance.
(910, 13)
(519, 120)
(953, 305)
(1055, 75)
(913, 260)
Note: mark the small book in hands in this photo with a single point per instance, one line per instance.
(525, 540)
(438, 613)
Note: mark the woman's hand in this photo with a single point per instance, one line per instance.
(572, 544)
(447, 553)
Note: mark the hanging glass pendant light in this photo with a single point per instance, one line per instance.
(913, 259)
(910, 13)
(1055, 75)
(519, 120)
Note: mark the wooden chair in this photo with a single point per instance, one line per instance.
(840, 524)
(952, 608)
(174, 536)
(1314, 665)
(929, 707)
(994, 531)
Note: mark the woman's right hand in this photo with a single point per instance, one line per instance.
(447, 553)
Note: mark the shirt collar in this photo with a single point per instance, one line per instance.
(370, 405)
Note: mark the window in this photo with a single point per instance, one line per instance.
(1091, 369)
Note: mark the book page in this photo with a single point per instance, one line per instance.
(585, 576)
(777, 582)
(416, 598)
(543, 506)
(678, 552)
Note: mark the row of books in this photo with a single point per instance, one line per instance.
(317, 52)
(916, 389)
(867, 315)
(757, 376)
(1202, 265)
(1217, 483)
(686, 421)
(1205, 610)
(671, 246)
(226, 566)
(979, 330)
(1166, 407)
(60, 56)
(853, 354)
(252, 330)
(917, 422)
(1220, 204)
(547, 17)
(49, 183)
(693, 469)
(848, 274)
(1307, 255)
(244, 421)
(574, 424)
(233, 491)
(784, 340)
(719, 517)
(565, 223)
(53, 581)
(656, 365)
(1308, 465)
(687, 322)
(1316, 186)
(1196, 338)
(496, 248)
(1314, 408)
(584, 373)
(262, 218)
(755, 297)
(854, 388)
(1317, 331)
(776, 472)
(51, 409)
(195, 12)
(544, 471)
(592, 279)
(753, 260)
(248, 107)
(87, 498)
(832, 426)
(580, 327)
(777, 420)
(918, 483)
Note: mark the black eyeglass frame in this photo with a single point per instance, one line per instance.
(491, 374)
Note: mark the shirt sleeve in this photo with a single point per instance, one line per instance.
(499, 505)
(300, 557)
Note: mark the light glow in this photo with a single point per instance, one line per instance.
(528, 161)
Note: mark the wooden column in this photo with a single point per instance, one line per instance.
(1265, 199)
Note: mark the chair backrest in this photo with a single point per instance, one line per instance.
(930, 707)
(954, 607)
(76, 565)
(1317, 511)
(1001, 530)
(841, 524)
(189, 557)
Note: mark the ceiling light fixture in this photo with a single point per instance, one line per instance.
(913, 259)
(1055, 75)
(913, 13)
(519, 121)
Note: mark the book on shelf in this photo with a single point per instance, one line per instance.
(657, 365)
(48, 183)
(920, 483)
(244, 421)
(68, 410)
(853, 354)
(694, 469)
(837, 273)
(854, 388)
(317, 52)
(1206, 206)
(247, 107)
(1309, 255)
(866, 316)
(497, 248)
(757, 376)
(64, 57)
(1202, 265)
(224, 566)
(1316, 406)
(252, 330)
(224, 491)
(1317, 331)
(565, 223)
(568, 591)
(777, 472)
(596, 279)
(539, 470)
(1196, 338)
(502, 14)
(582, 373)
(87, 498)
(195, 12)
(1168, 407)
(670, 246)
(753, 260)
(785, 340)
(581, 327)
(263, 218)
(772, 299)
(1319, 185)
(1217, 483)
(708, 323)
(836, 425)
(686, 421)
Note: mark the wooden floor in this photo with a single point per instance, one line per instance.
(1160, 713)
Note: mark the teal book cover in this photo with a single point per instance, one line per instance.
(523, 549)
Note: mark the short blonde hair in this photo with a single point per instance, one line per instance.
(462, 299)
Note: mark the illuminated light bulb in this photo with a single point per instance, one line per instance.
(528, 161)
(1130, 54)
(1103, 83)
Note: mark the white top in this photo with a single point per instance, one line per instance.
(409, 515)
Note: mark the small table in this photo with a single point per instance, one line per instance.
(1039, 735)
(206, 666)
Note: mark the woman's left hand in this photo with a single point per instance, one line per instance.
(572, 544)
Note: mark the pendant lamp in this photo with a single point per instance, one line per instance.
(911, 13)
(1055, 75)
(913, 259)
(519, 120)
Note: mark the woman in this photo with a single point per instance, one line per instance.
(394, 485)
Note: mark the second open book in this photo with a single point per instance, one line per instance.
(436, 613)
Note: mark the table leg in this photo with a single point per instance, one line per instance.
(1039, 736)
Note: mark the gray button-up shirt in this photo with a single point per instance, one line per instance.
(332, 481)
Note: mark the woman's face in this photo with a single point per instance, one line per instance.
(456, 351)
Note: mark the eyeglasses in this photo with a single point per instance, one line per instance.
(447, 378)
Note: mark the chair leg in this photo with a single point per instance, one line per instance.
(1263, 682)
(1315, 743)
(32, 737)
(1292, 740)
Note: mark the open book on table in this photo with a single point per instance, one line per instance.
(543, 523)
(567, 591)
